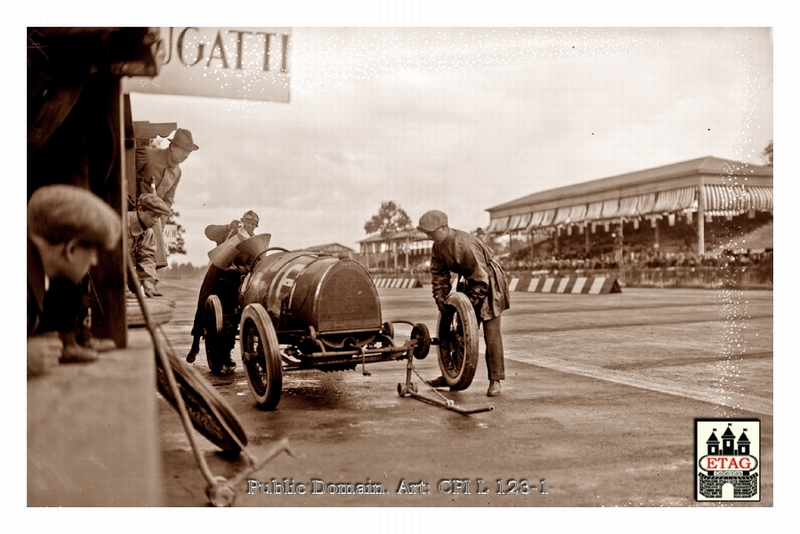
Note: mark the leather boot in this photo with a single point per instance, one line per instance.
(100, 344)
(74, 353)
(192, 356)
(494, 388)
(437, 382)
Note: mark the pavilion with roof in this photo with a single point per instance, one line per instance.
(699, 189)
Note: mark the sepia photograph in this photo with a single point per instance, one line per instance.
(437, 268)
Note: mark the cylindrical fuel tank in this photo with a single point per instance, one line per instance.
(302, 289)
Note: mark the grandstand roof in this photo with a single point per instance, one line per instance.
(728, 186)
(402, 235)
(708, 165)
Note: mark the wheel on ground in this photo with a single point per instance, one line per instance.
(261, 356)
(216, 351)
(211, 416)
(387, 329)
(423, 337)
(458, 342)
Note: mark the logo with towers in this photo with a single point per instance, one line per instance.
(727, 460)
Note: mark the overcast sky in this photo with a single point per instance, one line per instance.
(461, 119)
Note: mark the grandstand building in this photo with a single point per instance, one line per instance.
(401, 250)
(692, 192)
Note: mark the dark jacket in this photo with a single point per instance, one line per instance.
(152, 164)
(468, 257)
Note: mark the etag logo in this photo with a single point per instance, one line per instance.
(727, 460)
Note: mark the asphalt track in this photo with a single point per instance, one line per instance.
(599, 401)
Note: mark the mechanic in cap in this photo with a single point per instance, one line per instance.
(221, 282)
(482, 280)
(149, 208)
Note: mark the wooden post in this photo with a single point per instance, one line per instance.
(108, 277)
(587, 246)
(556, 233)
(656, 235)
(532, 241)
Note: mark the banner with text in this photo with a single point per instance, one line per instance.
(242, 64)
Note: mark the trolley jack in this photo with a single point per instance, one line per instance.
(410, 389)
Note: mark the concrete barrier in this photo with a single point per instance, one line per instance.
(403, 282)
(573, 284)
(93, 436)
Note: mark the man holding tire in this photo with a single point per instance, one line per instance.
(481, 279)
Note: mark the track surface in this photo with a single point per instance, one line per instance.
(600, 397)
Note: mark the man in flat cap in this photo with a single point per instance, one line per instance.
(67, 227)
(483, 281)
(149, 209)
(221, 282)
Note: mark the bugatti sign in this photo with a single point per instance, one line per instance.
(727, 460)
(238, 63)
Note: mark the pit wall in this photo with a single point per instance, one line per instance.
(738, 277)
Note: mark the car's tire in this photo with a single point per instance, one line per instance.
(261, 356)
(458, 342)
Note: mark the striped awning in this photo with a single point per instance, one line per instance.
(726, 199)
(760, 198)
(577, 213)
(561, 216)
(593, 211)
(498, 225)
(610, 209)
(541, 219)
(674, 200)
(645, 204)
(536, 220)
(519, 222)
(627, 206)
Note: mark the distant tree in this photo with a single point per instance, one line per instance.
(389, 220)
(766, 155)
(179, 246)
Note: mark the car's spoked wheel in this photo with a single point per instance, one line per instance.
(261, 356)
(458, 342)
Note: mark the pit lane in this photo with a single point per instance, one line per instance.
(600, 398)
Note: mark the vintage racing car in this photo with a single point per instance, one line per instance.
(303, 310)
